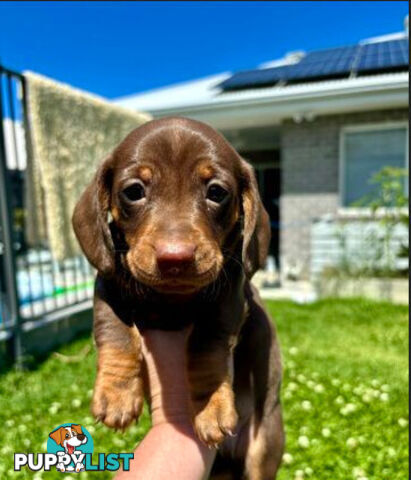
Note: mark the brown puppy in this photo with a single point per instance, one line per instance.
(187, 232)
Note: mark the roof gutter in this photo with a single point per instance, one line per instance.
(259, 107)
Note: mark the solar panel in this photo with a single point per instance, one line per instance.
(324, 63)
(260, 77)
(383, 55)
(330, 63)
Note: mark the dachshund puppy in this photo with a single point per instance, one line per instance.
(175, 227)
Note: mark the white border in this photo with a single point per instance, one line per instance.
(369, 127)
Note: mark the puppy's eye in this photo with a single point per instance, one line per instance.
(216, 193)
(134, 192)
(67, 435)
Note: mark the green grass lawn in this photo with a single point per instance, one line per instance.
(345, 396)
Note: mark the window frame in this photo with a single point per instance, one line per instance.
(368, 127)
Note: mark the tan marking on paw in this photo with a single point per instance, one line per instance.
(118, 407)
(118, 393)
(218, 418)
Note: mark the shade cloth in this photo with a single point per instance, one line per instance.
(70, 131)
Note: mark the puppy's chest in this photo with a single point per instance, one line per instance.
(171, 316)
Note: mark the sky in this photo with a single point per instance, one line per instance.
(120, 48)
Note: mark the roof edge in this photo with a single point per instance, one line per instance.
(256, 111)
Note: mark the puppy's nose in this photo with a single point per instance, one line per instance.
(174, 257)
(81, 437)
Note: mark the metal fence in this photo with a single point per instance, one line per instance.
(33, 284)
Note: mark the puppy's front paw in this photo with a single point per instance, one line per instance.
(117, 404)
(218, 418)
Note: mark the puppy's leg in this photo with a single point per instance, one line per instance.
(260, 353)
(210, 377)
(118, 392)
(266, 446)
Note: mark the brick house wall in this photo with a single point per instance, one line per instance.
(310, 177)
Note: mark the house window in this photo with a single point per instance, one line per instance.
(365, 151)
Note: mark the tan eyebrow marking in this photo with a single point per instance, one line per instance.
(205, 171)
(145, 173)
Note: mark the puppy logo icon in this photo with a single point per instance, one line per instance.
(70, 442)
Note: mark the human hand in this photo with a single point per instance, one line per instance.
(170, 449)
(165, 363)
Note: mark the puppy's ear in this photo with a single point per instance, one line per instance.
(57, 436)
(256, 229)
(77, 428)
(90, 220)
